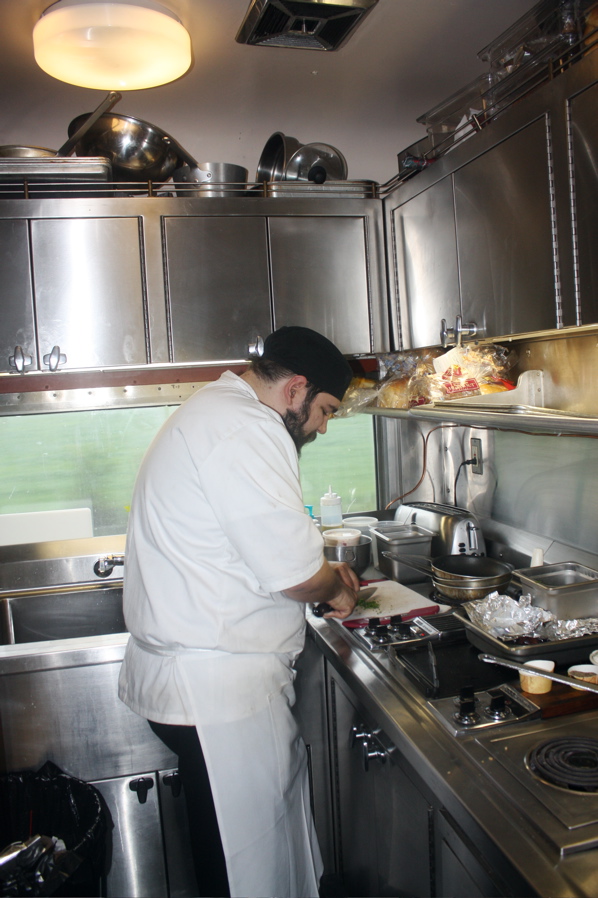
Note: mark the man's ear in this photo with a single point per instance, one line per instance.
(294, 390)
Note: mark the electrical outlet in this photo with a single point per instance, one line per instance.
(476, 453)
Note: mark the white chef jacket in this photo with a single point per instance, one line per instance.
(217, 530)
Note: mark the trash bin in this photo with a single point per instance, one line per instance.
(55, 834)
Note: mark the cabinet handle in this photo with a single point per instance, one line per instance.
(256, 349)
(370, 753)
(455, 334)
(174, 781)
(19, 360)
(54, 359)
(370, 746)
(358, 733)
(141, 787)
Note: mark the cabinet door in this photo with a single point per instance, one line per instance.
(584, 133)
(504, 236)
(217, 286)
(426, 258)
(18, 350)
(320, 278)
(89, 295)
(137, 858)
(384, 822)
(404, 829)
(175, 833)
(355, 813)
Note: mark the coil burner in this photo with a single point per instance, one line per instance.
(570, 762)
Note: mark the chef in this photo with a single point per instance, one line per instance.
(221, 562)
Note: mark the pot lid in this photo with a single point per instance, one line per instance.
(316, 162)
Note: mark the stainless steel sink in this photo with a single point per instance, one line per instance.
(61, 613)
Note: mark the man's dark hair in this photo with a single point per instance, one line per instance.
(270, 371)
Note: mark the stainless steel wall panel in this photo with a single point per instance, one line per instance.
(504, 236)
(426, 260)
(584, 137)
(217, 285)
(89, 294)
(320, 278)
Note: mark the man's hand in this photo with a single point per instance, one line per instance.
(335, 583)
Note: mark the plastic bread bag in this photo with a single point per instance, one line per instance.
(360, 393)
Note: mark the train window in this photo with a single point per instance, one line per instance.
(77, 469)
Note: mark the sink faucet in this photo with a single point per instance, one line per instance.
(106, 564)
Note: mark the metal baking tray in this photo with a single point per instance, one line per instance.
(55, 176)
(569, 590)
(561, 651)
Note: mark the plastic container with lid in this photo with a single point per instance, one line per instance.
(331, 510)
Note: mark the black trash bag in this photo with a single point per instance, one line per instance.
(55, 834)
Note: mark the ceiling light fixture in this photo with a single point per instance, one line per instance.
(110, 45)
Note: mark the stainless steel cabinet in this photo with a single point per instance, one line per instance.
(426, 258)
(74, 294)
(47, 714)
(218, 289)
(18, 350)
(504, 236)
(148, 813)
(320, 277)
(584, 138)
(382, 819)
(478, 244)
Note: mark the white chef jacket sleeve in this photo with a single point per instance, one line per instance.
(252, 484)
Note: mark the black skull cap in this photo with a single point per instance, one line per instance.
(304, 351)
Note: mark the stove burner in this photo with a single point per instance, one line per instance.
(569, 762)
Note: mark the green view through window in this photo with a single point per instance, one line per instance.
(89, 459)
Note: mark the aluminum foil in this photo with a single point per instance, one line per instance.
(511, 619)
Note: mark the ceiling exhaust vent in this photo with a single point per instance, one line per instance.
(305, 24)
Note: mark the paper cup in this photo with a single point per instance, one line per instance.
(342, 537)
(535, 683)
(587, 672)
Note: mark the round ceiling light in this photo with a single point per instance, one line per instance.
(113, 45)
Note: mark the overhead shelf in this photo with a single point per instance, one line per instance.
(520, 409)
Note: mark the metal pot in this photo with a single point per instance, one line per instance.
(357, 557)
(137, 150)
(460, 577)
(211, 179)
(275, 157)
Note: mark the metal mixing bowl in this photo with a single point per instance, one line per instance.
(137, 150)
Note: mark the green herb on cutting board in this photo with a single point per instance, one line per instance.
(368, 604)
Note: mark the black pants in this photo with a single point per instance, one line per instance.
(208, 856)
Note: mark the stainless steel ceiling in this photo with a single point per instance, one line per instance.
(404, 58)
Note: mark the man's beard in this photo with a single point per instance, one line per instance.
(294, 423)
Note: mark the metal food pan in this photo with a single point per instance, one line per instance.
(405, 538)
(561, 651)
(569, 590)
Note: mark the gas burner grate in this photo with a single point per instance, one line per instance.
(570, 762)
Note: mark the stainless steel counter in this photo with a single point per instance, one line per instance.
(467, 776)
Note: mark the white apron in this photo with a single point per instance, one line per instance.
(257, 764)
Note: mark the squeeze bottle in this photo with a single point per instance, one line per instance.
(331, 512)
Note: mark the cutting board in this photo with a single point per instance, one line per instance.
(563, 699)
(385, 598)
(41, 526)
